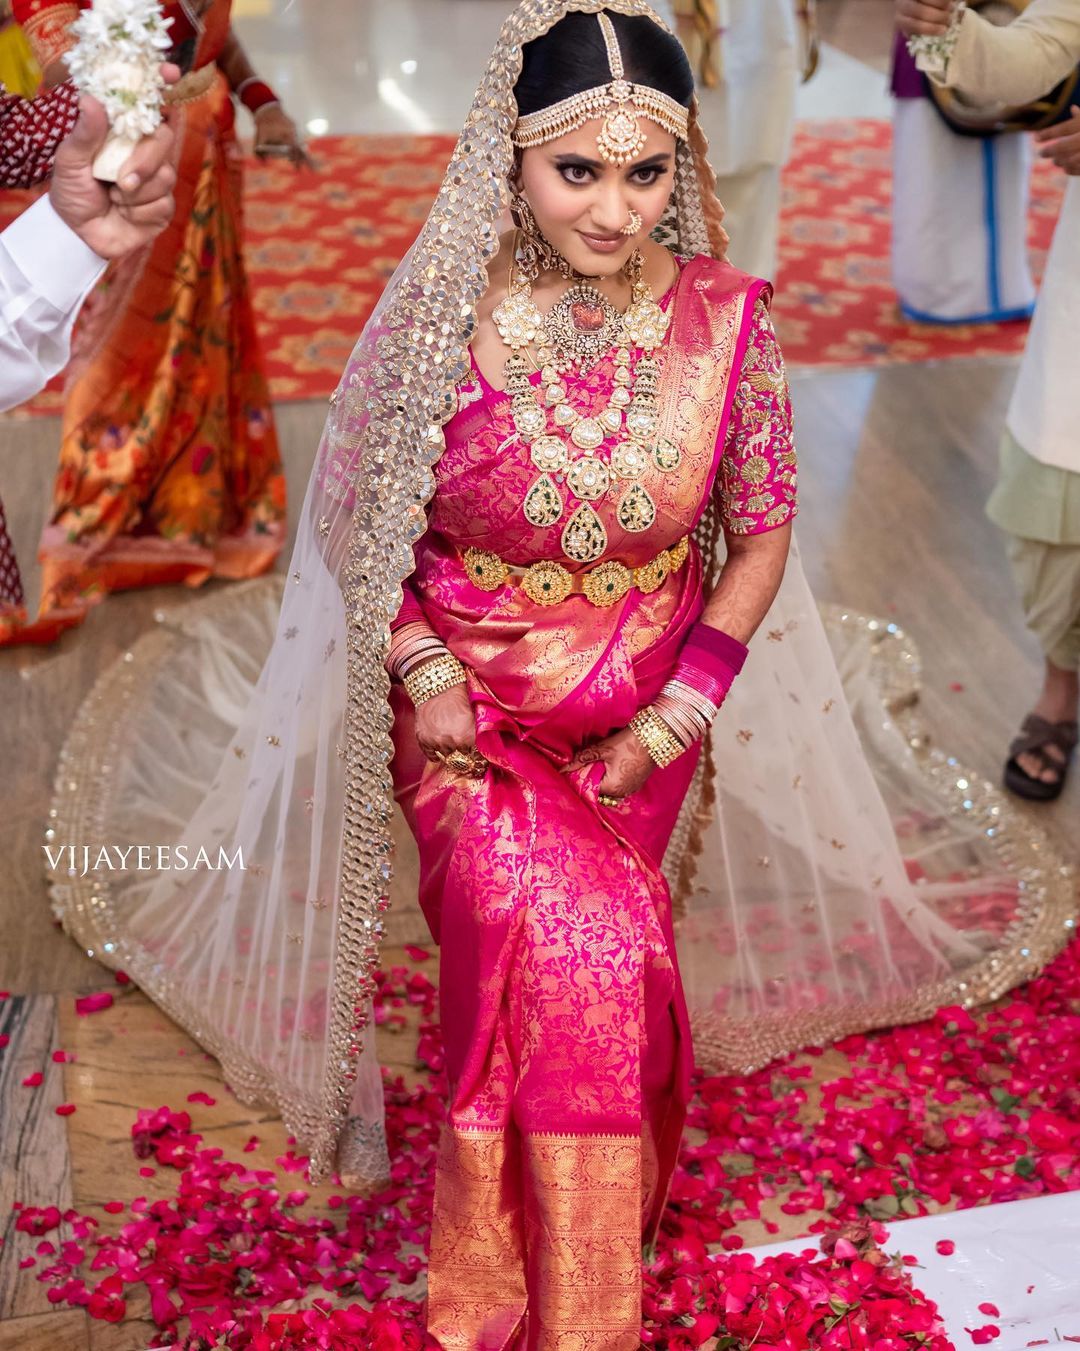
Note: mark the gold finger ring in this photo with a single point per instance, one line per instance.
(606, 800)
(465, 762)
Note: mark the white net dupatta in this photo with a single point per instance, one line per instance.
(801, 921)
(835, 873)
(271, 966)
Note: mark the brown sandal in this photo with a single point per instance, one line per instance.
(1036, 734)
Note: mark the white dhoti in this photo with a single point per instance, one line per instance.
(749, 119)
(959, 221)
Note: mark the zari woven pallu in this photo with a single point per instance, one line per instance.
(808, 881)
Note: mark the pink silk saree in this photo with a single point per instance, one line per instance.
(566, 1032)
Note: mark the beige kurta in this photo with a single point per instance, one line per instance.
(1019, 62)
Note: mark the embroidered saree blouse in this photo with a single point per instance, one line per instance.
(482, 479)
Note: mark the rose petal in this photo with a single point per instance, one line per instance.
(93, 1003)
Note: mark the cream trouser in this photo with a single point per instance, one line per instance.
(1049, 580)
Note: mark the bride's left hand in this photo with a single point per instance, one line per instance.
(627, 764)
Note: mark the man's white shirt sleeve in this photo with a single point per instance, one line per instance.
(46, 272)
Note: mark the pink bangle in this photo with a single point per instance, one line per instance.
(254, 94)
(709, 662)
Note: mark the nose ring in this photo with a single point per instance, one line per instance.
(633, 224)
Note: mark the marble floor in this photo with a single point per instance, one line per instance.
(896, 465)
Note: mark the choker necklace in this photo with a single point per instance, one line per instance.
(582, 327)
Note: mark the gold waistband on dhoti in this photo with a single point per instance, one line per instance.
(191, 86)
(549, 583)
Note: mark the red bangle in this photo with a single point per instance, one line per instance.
(255, 94)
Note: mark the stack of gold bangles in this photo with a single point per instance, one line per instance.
(434, 677)
(549, 583)
(656, 736)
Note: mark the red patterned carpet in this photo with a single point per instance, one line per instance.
(321, 246)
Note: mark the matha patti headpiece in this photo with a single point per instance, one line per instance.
(619, 103)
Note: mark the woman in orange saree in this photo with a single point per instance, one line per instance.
(555, 700)
(169, 463)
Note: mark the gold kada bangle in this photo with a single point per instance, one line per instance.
(435, 677)
(657, 737)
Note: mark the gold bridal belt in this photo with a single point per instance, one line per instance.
(549, 583)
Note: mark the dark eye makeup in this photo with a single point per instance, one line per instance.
(578, 170)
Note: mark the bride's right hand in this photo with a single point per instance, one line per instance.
(446, 723)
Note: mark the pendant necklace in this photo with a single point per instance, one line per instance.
(582, 328)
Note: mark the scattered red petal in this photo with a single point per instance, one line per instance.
(121, 978)
(33, 1080)
(983, 1336)
(93, 1003)
(991, 1310)
(202, 1097)
(65, 1109)
(945, 1246)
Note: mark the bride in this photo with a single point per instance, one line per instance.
(542, 595)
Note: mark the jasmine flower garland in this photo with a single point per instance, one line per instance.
(117, 59)
(932, 53)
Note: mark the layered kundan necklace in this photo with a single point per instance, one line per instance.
(566, 447)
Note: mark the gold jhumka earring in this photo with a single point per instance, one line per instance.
(534, 253)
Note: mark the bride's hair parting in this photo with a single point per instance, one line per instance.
(571, 57)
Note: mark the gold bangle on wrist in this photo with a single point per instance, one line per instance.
(657, 737)
(435, 677)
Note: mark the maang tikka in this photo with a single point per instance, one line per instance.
(619, 103)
